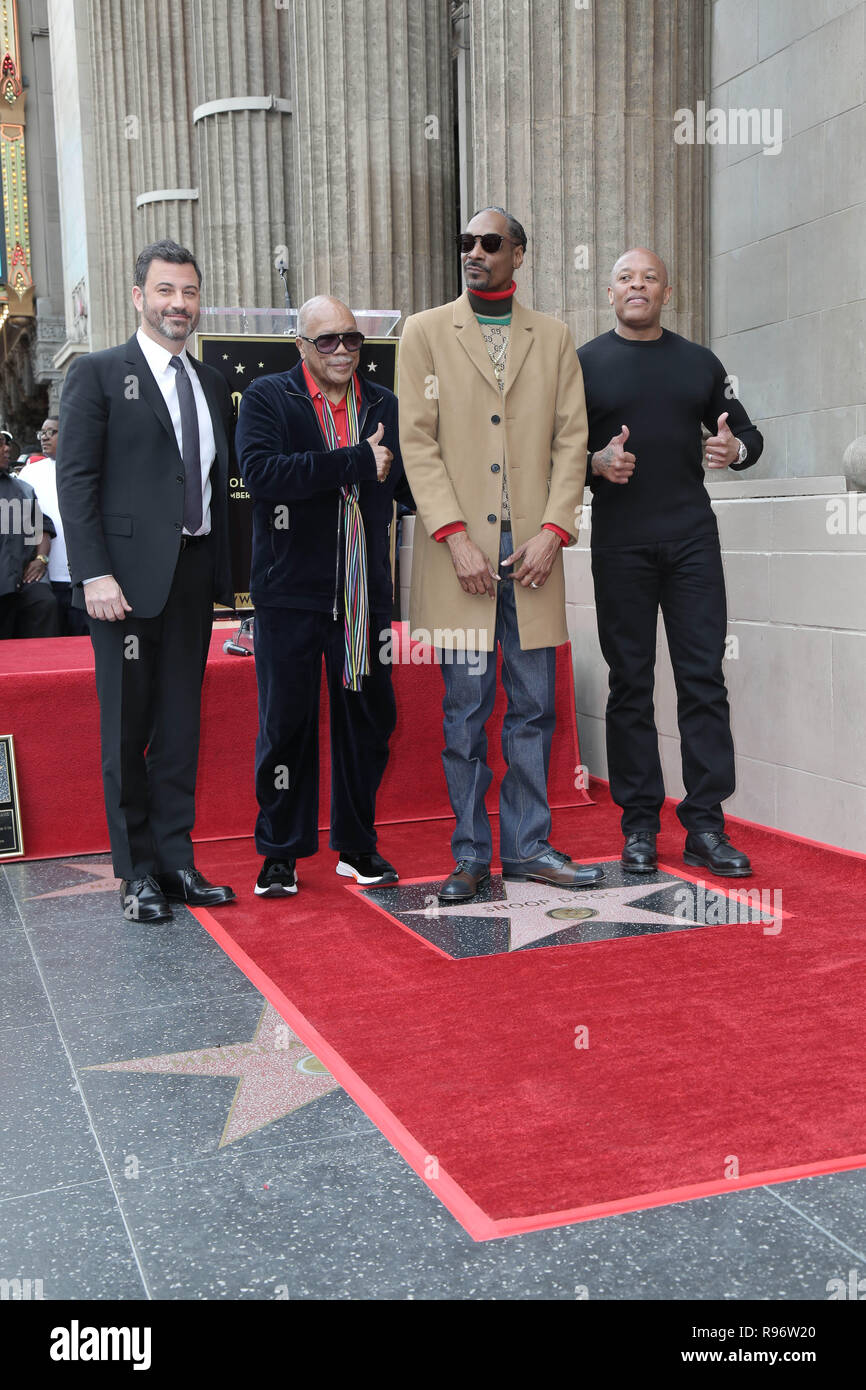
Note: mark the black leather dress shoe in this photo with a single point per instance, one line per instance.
(639, 852)
(461, 885)
(189, 886)
(554, 868)
(713, 850)
(143, 900)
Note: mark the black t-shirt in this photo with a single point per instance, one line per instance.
(663, 389)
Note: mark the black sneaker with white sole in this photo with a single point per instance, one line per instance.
(277, 879)
(366, 868)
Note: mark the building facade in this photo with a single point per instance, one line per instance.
(31, 282)
(358, 134)
(351, 138)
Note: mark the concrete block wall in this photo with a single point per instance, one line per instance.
(407, 527)
(787, 273)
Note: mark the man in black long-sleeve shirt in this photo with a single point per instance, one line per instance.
(655, 544)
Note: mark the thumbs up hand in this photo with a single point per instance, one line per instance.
(382, 455)
(722, 448)
(613, 462)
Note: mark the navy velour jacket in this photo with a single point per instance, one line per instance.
(295, 483)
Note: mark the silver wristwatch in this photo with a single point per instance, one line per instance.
(743, 454)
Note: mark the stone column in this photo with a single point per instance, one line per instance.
(573, 118)
(241, 113)
(374, 152)
(111, 138)
(160, 41)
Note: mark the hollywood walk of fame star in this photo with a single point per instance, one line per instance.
(104, 881)
(239, 367)
(277, 1074)
(526, 905)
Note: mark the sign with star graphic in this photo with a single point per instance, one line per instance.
(510, 916)
(242, 358)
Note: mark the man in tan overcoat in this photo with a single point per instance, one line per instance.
(493, 435)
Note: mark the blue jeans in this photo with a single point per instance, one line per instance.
(529, 679)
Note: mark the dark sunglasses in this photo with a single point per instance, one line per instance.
(491, 242)
(329, 342)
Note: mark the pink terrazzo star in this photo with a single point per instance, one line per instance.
(278, 1074)
(527, 905)
(103, 881)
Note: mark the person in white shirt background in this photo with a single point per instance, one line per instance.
(41, 475)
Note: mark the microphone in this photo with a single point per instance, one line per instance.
(281, 265)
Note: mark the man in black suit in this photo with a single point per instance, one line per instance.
(142, 470)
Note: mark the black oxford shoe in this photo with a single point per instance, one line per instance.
(191, 887)
(464, 882)
(143, 900)
(713, 850)
(639, 852)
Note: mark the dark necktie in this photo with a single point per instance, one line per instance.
(192, 500)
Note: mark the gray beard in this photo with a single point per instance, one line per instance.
(168, 329)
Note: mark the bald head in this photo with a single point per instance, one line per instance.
(331, 371)
(642, 256)
(638, 291)
(324, 309)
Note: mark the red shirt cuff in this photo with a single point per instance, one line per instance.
(449, 530)
(563, 535)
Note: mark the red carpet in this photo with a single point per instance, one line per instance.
(48, 701)
(536, 1086)
(718, 1057)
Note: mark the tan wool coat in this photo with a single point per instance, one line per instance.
(455, 426)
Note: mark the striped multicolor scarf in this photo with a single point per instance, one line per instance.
(356, 663)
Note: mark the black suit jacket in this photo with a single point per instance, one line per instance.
(120, 477)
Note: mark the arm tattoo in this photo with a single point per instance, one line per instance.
(602, 459)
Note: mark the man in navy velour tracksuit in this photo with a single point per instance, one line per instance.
(319, 453)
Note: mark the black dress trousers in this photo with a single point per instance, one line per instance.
(31, 612)
(149, 674)
(686, 581)
(289, 646)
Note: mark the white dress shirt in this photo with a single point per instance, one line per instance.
(158, 359)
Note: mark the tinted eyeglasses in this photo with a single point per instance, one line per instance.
(491, 242)
(329, 342)
(45, 434)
